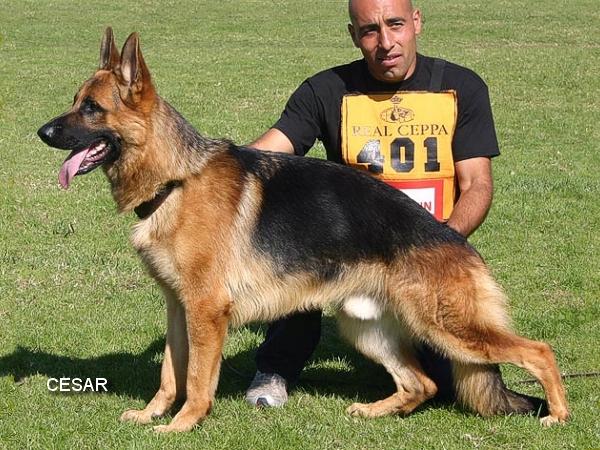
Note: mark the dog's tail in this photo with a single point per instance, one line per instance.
(480, 387)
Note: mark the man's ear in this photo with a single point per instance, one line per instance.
(417, 21)
(352, 34)
(109, 55)
(134, 73)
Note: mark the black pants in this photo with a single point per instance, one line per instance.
(291, 341)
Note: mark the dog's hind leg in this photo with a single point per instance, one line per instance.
(173, 370)
(535, 357)
(462, 313)
(380, 339)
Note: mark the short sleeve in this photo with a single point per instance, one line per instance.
(300, 119)
(475, 133)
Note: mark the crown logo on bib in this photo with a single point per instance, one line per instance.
(397, 114)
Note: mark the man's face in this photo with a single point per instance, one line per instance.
(386, 33)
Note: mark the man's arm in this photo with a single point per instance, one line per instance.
(273, 140)
(474, 176)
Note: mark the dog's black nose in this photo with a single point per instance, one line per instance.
(48, 132)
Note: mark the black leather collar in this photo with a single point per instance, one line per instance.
(146, 209)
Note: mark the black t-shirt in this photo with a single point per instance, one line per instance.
(314, 109)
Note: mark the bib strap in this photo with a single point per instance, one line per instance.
(437, 73)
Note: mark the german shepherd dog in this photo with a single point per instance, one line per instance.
(234, 235)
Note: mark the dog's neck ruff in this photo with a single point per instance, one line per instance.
(146, 209)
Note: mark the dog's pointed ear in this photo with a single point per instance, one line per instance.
(109, 55)
(134, 72)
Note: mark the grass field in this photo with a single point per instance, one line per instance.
(75, 300)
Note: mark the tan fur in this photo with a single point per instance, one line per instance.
(198, 247)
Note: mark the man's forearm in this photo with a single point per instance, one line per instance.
(471, 209)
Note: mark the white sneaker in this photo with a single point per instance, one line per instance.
(267, 389)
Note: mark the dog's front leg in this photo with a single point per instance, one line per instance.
(207, 321)
(174, 366)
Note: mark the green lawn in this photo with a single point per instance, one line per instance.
(75, 300)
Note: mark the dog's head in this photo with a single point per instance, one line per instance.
(108, 112)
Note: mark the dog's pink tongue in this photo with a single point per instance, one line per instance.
(70, 167)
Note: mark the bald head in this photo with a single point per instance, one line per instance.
(353, 4)
(386, 32)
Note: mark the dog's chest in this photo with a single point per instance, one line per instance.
(154, 250)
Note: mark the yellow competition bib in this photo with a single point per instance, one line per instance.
(405, 139)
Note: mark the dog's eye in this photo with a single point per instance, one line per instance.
(89, 106)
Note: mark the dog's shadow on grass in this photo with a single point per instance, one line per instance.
(138, 375)
(134, 375)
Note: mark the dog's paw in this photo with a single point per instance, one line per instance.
(358, 410)
(139, 416)
(549, 421)
(173, 427)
